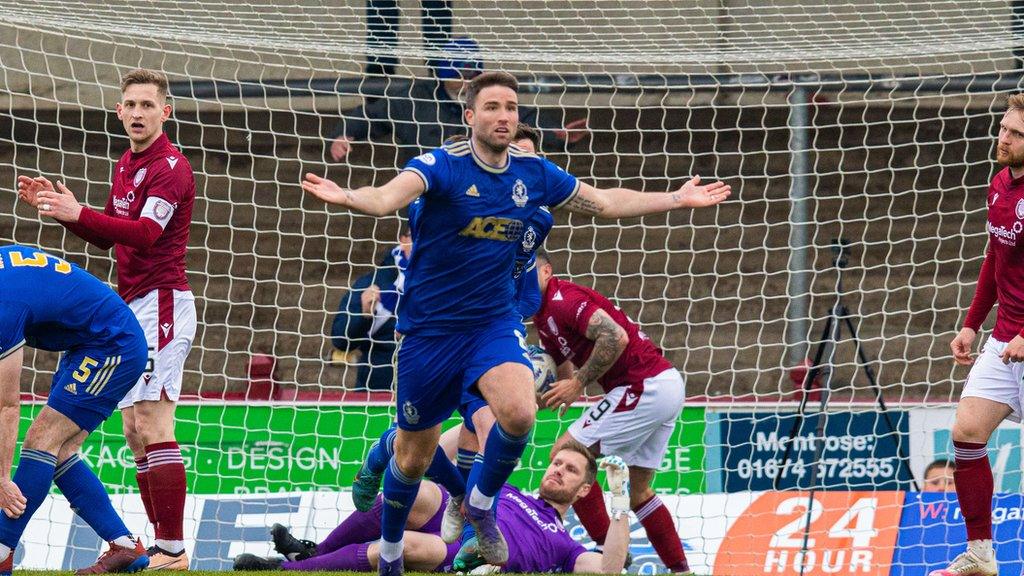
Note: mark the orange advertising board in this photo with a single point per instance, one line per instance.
(791, 534)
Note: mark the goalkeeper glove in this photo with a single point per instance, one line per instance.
(617, 475)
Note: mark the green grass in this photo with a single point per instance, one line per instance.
(212, 573)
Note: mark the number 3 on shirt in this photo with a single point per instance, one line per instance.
(38, 260)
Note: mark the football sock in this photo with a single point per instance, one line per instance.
(89, 499)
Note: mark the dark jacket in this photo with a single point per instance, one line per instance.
(351, 331)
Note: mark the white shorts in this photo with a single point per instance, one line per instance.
(991, 379)
(168, 317)
(635, 422)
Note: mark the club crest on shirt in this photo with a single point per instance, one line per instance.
(529, 239)
(519, 195)
(138, 177)
(162, 209)
(1020, 209)
(553, 325)
(412, 415)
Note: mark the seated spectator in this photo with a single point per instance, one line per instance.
(364, 326)
(938, 476)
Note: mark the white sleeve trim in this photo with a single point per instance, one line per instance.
(12, 349)
(416, 171)
(575, 191)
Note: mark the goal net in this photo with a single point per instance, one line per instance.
(862, 124)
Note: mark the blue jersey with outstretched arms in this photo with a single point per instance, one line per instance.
(51, 304)
(466, 234)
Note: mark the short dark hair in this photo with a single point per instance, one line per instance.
(940, 463)
(528, 132)
(590, 474)
(145, 76)
(542, 256)
(486, 80)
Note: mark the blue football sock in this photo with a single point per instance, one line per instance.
(89, 499)
(381, 452)
(34, 477)
(399, 495)
(443, 472)
(501, 456)
(464, 461)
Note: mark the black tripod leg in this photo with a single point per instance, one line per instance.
(806, 387)
(865, 364)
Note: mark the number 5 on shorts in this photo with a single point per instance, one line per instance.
(85, 369)
(99, 378)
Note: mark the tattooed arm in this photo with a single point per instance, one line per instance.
(624, 203)
(610, 340)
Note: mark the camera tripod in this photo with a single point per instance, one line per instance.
(831, 335)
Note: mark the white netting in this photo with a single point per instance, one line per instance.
(870, 121)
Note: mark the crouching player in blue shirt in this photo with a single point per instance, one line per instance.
(50, 304)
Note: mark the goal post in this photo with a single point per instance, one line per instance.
(871, 122)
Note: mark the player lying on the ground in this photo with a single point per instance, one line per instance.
(50, 304)
(644, 395)
(541, 543)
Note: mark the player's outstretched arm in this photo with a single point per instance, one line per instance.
(12, 502)
(616, 542)
(398, 193)
(625, 203)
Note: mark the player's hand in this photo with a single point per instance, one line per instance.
(562, 394)
(617, 477)
(369, 299)
(29, 188)
(962, 345)
(326, 190)
(1014, 350)
(58, 204)
(11, 499)
(340, 148)
(693, 194)
(574, 131)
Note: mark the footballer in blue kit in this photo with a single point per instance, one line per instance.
(51, 304)
(458, 316)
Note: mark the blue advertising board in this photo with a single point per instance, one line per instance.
(932, 533)
(858, 451)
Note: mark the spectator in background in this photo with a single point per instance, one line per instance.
(382, 18)
(364, 326)
(938, 476)
(421, 114)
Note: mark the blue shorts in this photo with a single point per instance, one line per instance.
(471, 402)
(434, 371)
(91, 380)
